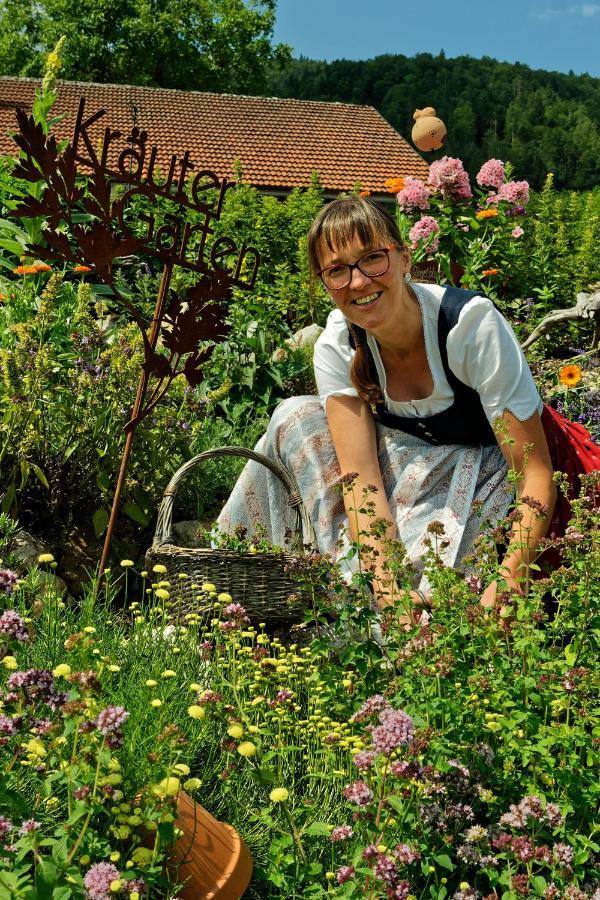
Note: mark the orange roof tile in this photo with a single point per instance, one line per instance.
(278, 142)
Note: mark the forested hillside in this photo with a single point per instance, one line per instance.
(541, 121)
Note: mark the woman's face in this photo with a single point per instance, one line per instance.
(367, 301)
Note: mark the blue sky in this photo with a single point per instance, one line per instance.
(545, 34)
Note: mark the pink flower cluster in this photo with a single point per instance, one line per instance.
(358, 792)
(414, 195)
(396, 730)
(491, 174)
(424, 230)
(98, 880)
(447, 176)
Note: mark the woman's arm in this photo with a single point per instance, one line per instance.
(352, 429)
(524, 447)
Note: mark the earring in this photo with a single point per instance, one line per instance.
(407, 278)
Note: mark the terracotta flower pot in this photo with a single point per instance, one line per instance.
(213, 859)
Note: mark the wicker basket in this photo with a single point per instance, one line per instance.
(257, 581)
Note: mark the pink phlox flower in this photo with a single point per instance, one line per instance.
(491, 174)
(447, 176)
(98, 879)
(562, 854)
(515, 192)
(517, 231)
(341, 833)
(424, 230)
(414, 195)
(386, 870)
(358, 792)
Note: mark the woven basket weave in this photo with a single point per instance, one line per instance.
(257, 581)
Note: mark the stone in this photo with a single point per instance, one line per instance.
(305, 337)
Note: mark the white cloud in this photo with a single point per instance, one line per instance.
(586, 10)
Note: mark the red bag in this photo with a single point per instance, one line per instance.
(573, 452)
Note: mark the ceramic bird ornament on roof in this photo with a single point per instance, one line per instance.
(429, 132)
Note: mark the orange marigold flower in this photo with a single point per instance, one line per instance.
(25, 270)
(570, 375)
(81, 268)
(489, 272)
(2, 297)
(364, 193)
(394, 185)
(42, 267)
(486, 214)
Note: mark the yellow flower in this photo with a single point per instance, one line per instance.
(192, 784)
(194, 687)
(168, 787)
(142, 856)
(35, 747)
(127, 563)
(114, 668)
(116, 885)
(279, 795)
(486, 213)
(115, 857)
(162, 594)
(45, 558)
(247, 748)
(89, 629)
(394, 185)
(225, 598)
(156, 702)
(235, 730)
(570, 375)
(168, 673)
(9, 662)
(159, 569)
(181, 769)
(150, 682)
(134, 895)
(196, 712)
(62, 670)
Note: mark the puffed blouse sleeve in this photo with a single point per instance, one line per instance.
(483, 352)
(332, 359)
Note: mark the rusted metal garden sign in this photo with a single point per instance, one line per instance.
(112, 216)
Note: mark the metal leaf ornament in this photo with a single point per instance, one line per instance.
(95, 221)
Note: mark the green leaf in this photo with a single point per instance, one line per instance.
(7, 500)
(46, 878)
(444, 861)
(40, 475)
(318, 829)
(570, 655)
(100, 521)
(397, 804)
(135, 513)
(103, 480)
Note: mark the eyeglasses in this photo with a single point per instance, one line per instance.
(371, 264)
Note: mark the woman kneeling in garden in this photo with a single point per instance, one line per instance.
(424, 394)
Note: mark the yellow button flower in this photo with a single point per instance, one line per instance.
(159, 569)
(45, 558)
(235, 730)
(279, 795)
(156, 702)
(169, 673)
(247, 748)
(9, 662)
(196, 712)
(62, 670)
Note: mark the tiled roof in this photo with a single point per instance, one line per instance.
(279, 142)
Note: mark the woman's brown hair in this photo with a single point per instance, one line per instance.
(337, 225)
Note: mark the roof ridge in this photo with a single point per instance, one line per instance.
(145, 87)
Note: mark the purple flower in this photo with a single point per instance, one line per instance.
(405, 854)
(111, 719)
(364, 759)
(358, 792)
(7, 725)
(98, 879)
(82, 792)
(386, 870)
(5, 827)
(8, 580)
(341, 833)
(562, 854)
(28, 826)
(370, 708)
(12, 625)
(491, 174)
(396, 730)
(344, 874)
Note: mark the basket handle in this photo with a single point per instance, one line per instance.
(164, 524)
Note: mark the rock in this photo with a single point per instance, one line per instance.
(185, 533)
(306, 337)
(26, 549)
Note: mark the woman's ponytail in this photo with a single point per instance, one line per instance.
(361, 373)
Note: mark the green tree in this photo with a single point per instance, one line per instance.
(217, 45)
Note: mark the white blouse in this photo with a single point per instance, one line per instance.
(483, 353)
